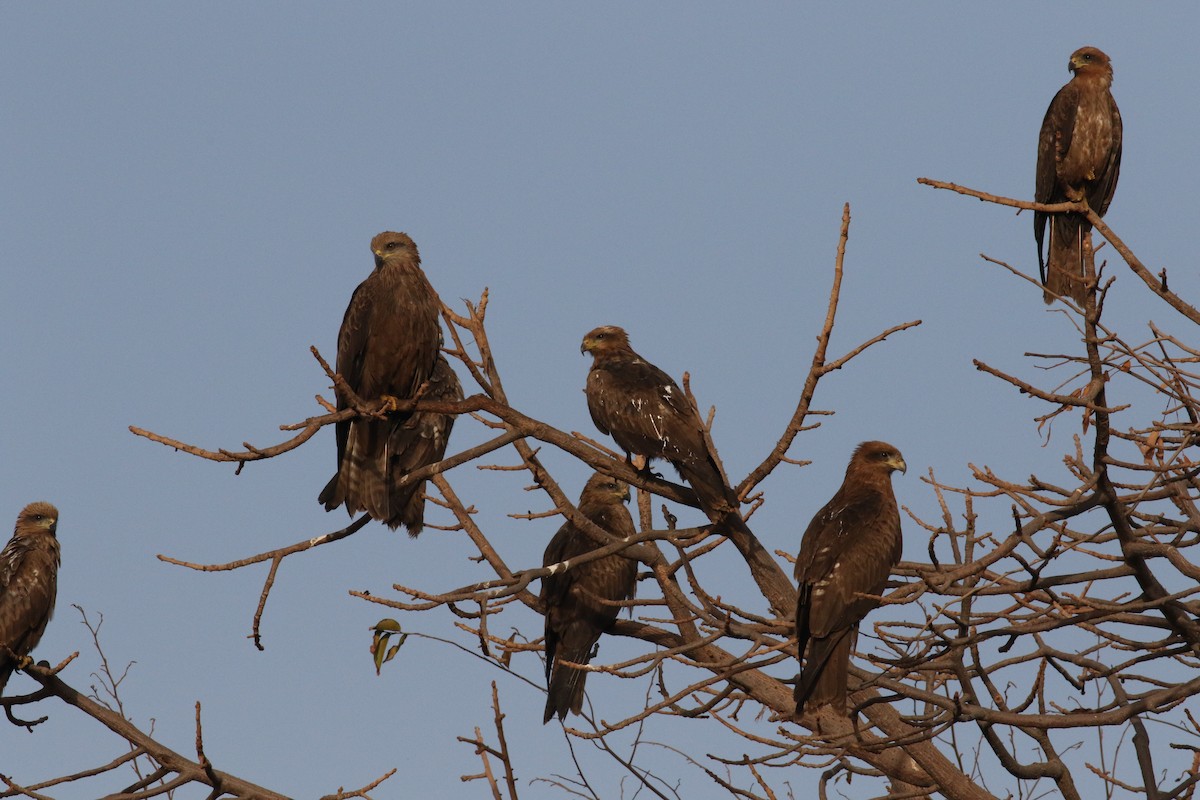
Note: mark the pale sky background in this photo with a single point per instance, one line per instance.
(188, 194)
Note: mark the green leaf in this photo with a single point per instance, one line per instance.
(379, 649)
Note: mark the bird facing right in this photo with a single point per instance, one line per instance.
(1079, 157)
(28, 585)
(848, 551)
(582, 601)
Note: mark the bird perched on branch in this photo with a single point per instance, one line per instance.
(647, 413)
(1079, 157)
(847, 552)
(580, 602)
(28, 585)
(388, 346)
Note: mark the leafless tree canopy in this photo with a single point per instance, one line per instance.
(987, 665)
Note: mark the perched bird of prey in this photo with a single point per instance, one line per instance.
(580, 601)
(1079, 157)
(848, 550)
(388, 347)
(646, 413)
(28, 585)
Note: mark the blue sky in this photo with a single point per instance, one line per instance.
(189, 191)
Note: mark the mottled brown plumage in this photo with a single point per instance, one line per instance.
(416, 441)
(1079, 157)
(848, 550)
(28, 585)
(647, 413)
(387, 347)
(580, 601)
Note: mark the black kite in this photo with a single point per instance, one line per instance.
(28, 585)
(388, 347)
(647, 413)
(848, 551)
(580, 602)
(1079, 157)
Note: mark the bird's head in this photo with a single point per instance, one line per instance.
(604, 339)
(879, 455)
(391, 246)
(607, 487)
(37, 518)
(1089, 59)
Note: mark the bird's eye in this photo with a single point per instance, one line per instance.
(1087, 56)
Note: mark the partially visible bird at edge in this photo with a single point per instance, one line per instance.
(28, 585)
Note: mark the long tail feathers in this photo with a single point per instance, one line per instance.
(366, 480)
(1065, 264)
(822, 679)
(360, 480)
(575, 643)
(565, 684)
(709, 485)
(565, 692)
